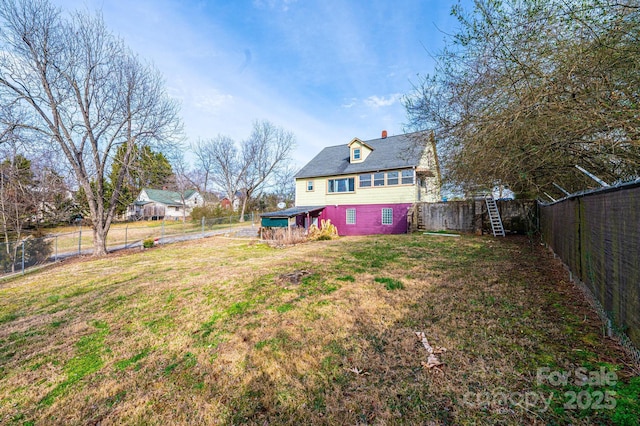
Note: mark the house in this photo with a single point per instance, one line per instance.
(226, 204)
(365, 187)
(160, 204)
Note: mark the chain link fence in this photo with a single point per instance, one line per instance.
(17, 257)
(597, 236)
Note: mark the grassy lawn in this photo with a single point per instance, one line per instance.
(229, 332)
(130, 232)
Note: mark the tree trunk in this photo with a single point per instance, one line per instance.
(100, 240)
(244, 206)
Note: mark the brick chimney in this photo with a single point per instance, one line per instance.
(384, 134)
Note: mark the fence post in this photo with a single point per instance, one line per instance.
(161, 233)
(252, 218)
(230, 218)
(80, 241)
(202, 226)
(22, 257)
(126, 232)
(55, 256)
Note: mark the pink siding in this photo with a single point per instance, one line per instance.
(368, 219)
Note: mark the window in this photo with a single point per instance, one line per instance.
(407, 177)
(365, 181)
(392, 178)
(387, 216)
(378, 179)
(341, 185)
(351, 216)
(356, 154)
(309, 185)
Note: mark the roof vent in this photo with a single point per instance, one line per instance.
(384, 134)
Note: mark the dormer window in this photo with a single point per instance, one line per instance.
(358, 151)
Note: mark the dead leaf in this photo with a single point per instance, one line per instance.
(358, 372)
(432, 360)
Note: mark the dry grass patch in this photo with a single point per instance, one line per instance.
(229, 332)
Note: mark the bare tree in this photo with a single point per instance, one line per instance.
(83, 90)
(525, 90)
(220, 161)
(54, 200)
(260, 160)
(284, 186)
(17, 200)
(204, 164)
(9, 117)
(265, 153)
(180, 181)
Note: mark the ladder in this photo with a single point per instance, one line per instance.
(494, 216)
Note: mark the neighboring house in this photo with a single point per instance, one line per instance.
(365, 187)
(225, 203)
(159, 204)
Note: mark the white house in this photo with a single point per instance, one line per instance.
(159, 204)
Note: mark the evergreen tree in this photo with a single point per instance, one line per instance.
(147, 169)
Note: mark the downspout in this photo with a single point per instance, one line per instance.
(417, 184)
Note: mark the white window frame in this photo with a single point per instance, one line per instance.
(310, 185)
(333, 183)
(350, 217)
(357, 154)
(407, 179)
(378, 179)
(391, 179)
(387, 216)
(369, 181)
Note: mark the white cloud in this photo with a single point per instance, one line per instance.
(349, 103)
(382, 101)
(309, 67)
(212, 102)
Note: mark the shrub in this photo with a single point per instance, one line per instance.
(148, 243)
(284, 236)
(209, 212)
(36, 251)
(327, 231)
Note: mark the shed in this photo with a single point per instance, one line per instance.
(288, 217)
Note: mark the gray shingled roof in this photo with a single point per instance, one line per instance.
(393, 152)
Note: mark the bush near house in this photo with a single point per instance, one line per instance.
(209, 212)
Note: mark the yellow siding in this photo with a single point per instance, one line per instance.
(364, 150)
(395, 194)
(375, 195)
(430, 193)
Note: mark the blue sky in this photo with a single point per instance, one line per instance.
(328, 70)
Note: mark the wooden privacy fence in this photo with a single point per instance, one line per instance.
(518, 216)
(597, 235)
